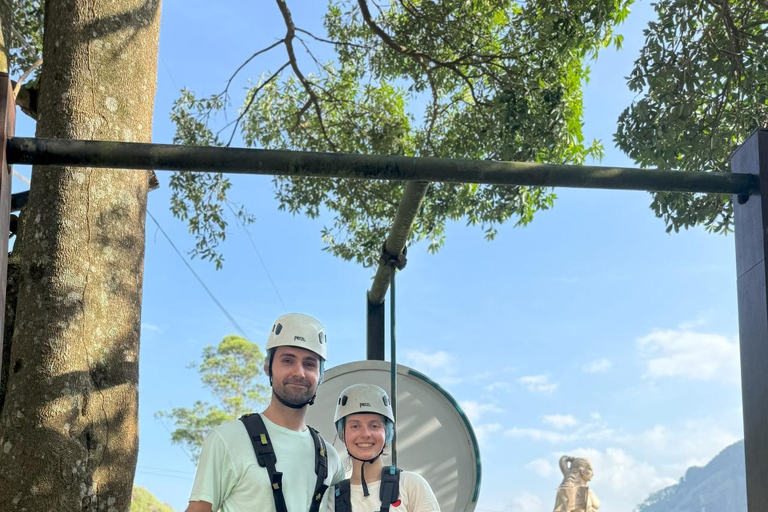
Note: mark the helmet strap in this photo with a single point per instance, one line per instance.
(362, 468)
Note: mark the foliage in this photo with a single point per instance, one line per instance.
(483, 80)
(703, 84)
(26, 37)
(232, 373)
(144, 501)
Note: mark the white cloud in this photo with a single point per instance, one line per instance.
(567, 280)
(538, 383)
(541, 467)
(538, 434)
(692, 324)
(483, 431)
(691, 355)
(631, 465)
(498, 386)
(560, 421)
(692, 443)
(474, 410)
(439, 361)
(587, 432)
(622, 482)
(597, 366)
(525, 502)
(150, 327)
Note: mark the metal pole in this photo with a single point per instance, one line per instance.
(133, 155)
(409, 207)
(375, 330)
(395, 244)
(751, 228)
(393, 363)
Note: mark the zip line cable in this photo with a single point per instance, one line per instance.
(242, 224)
(167, 470)
(393, 362)
(153, 473)
(258, 254)
(199, 280)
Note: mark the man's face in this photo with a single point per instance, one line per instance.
(295, 373)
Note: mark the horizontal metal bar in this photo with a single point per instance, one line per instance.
(131, 155)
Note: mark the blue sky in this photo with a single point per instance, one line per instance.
(590, 332)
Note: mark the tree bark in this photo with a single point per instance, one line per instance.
(69, 425)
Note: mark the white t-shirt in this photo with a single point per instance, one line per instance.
(230, 478)
(415, 496)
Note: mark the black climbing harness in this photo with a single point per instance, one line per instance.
(265, 455)
(389, 491)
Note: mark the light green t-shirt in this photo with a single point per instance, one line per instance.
(231, 480)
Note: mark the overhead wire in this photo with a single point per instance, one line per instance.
(199, 279)
(258, 254)
(240, 222)
(169, 473)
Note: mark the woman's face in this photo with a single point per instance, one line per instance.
(364, 435)
(586, 474)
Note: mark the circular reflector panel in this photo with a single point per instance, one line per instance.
(434, 436)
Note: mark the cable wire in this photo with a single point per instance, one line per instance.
(199, 280)
(258, 254)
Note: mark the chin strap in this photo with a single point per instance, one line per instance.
(286, 403)
(362, 469)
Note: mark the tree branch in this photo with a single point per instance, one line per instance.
(250, 102)
(337, 43)
(249, 59)
(288, 41)
(37, 64)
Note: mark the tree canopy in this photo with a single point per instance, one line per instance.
(233, 373)
(144, 501)
(482, 79)
(702, 82)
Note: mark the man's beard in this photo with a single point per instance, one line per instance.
(295, 394)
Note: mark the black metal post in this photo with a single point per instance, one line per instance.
(375, 330)
(751, 223)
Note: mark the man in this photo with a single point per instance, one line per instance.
(231, 478)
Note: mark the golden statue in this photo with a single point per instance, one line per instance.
(574, 495)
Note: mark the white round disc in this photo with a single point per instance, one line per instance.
(434, 436)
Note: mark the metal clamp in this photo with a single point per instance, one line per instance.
(388, 259)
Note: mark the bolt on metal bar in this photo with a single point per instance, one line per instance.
(131, 155)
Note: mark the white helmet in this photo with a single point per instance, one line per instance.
(363, 398)
(298, 330)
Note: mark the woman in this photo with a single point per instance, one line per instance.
(573, 495)
(365, 424)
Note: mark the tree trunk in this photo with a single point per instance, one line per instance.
(69, 425)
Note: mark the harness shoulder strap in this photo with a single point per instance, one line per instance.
(321, 470)
(389, 491)
(342, 498)
(265, 455)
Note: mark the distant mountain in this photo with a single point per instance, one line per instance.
(720, 486)
(144, 501)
